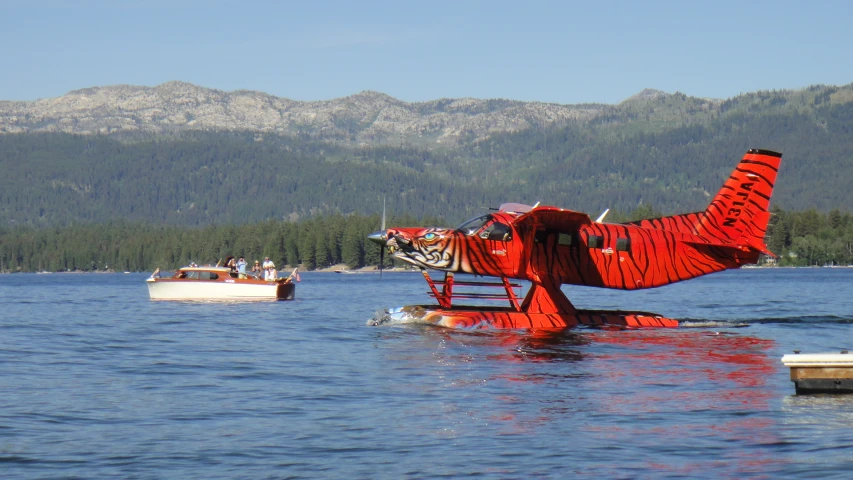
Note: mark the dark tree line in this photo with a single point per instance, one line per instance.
(810, 238)
(122, 246)
(799, 238)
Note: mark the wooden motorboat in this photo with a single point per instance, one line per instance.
(218, 283)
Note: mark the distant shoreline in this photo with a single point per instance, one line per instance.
(342, 268)
(330, 269)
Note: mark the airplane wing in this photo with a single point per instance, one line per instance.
(553, 218)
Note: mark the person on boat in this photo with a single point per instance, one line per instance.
(231, 263)
(266, 266)
(257, 271)
(269, 269)
(241, 267)
(271, 275)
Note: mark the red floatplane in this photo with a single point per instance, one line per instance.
(550, 246)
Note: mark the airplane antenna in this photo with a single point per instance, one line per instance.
(537, 204)
(601, 217)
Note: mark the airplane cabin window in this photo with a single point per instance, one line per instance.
(623, 244)
(595, 241)
(564, 239)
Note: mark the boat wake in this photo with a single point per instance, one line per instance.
(745, 322)
(399, 317)
(386, 317)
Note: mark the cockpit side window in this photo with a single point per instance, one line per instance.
(497, 231)
(474, 225)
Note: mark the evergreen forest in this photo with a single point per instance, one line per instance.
(806, 238)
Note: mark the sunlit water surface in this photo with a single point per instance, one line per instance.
(98, 381)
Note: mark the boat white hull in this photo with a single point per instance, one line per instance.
(169, 289)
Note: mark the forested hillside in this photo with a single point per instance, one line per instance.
(669, 151)
(59, 179)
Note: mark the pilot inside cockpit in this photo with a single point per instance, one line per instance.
(497, 231)
(486, 228)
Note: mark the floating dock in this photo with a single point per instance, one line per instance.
(820, 372)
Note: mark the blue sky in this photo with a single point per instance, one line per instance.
(564, 52)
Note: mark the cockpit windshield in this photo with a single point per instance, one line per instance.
(473, 225)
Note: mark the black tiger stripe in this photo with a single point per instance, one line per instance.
(763, 164)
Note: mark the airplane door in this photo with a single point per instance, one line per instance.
(551, 252)
(498, 241)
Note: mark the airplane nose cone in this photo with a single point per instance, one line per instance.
(379, 237)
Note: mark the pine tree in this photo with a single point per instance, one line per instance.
(352, 247)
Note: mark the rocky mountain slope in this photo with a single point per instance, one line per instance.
(365, 118)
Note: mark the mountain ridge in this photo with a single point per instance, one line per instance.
(367, 117)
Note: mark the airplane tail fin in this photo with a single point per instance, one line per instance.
(739, 213)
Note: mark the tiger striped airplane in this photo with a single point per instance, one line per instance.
(550, 246)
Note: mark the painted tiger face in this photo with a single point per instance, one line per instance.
(436, 248)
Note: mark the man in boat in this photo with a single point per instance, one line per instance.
(241, 267)
(267, 265)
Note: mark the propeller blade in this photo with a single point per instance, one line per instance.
(384, 238)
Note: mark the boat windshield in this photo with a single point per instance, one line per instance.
(473, 225)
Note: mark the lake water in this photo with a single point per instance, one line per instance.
(98, 381)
